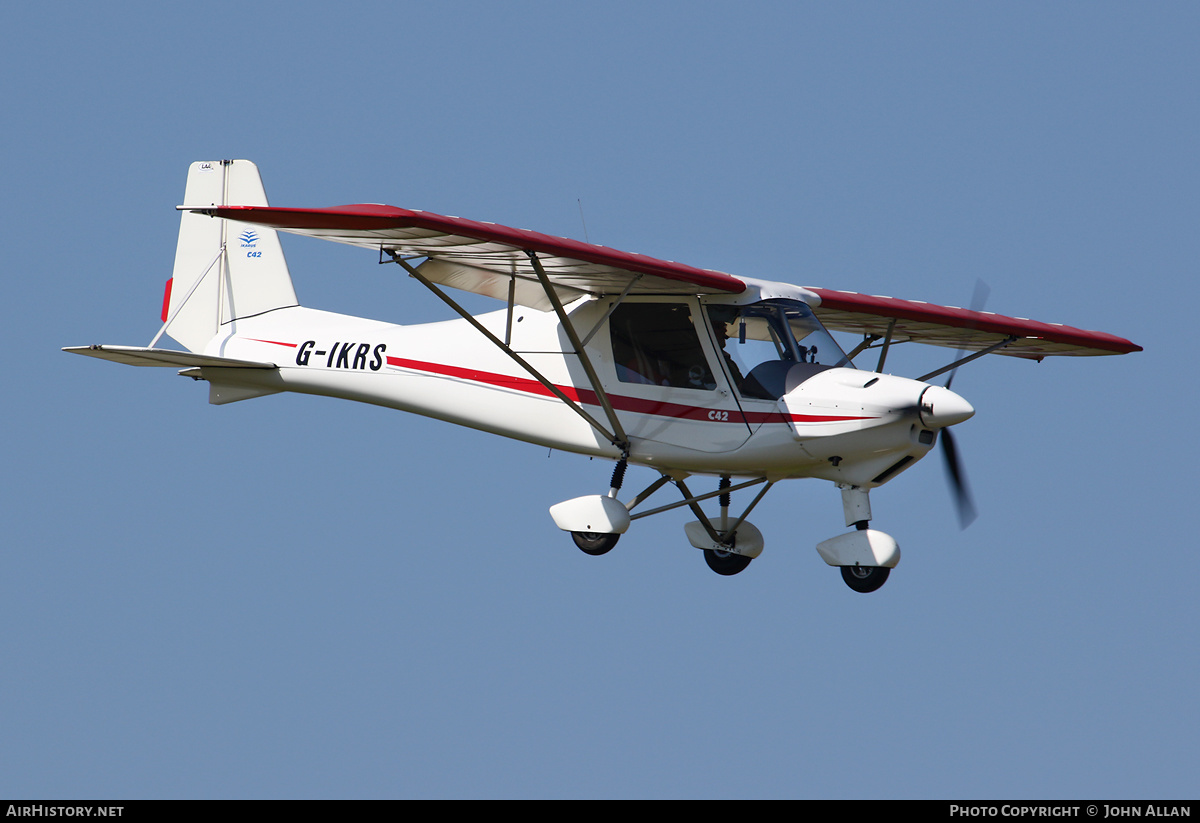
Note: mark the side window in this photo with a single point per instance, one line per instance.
(657, 344)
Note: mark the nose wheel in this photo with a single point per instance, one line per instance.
(865, 579)
(726, 563)
(594, 543)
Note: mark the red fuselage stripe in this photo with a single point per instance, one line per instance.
(272, 342)
(619, 402)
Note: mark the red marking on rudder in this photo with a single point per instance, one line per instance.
(167, 299)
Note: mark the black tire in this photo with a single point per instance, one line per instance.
(726, 563)
(865, 579)
(594, 543)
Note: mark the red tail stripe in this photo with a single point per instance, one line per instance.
(167, 299)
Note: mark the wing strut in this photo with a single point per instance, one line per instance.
(868, 342)
(887, 342)
(628, 288)
(1006, 341)
(619, 439)
(623, 441)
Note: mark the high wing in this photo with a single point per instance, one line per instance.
(490, 259)
(959, 328)
(486, 258)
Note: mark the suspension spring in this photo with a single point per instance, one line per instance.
(618, 476)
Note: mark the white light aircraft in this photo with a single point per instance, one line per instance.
(687, 371)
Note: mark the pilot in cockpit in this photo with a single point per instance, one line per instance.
(721, 328)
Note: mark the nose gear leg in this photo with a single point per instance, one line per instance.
(865, 556)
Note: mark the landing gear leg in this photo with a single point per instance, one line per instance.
(726, 563)
(728, 546)
(598, 543)
(865, 556)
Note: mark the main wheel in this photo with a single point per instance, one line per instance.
(594, 543)
(865, 579)
(725, 563)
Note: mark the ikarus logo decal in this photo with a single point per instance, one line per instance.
(249, 240)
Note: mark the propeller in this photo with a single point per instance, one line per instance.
(978, 300)
(958, 481)
(955, 476)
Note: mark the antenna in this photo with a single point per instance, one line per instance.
(579, 200)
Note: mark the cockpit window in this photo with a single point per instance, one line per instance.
(657, 344)
(773, 346)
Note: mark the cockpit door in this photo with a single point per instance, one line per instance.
(767, 349)
(663, 378)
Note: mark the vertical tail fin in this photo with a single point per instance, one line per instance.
(223, 270)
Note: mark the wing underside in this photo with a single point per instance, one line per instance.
(959, 328)
(487, 258)
(494, 260)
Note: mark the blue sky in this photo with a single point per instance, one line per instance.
(296, 597)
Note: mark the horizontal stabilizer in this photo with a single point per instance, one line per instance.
(137, 356)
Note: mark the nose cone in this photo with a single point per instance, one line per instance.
(941, 407)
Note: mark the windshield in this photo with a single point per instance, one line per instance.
(762, 343)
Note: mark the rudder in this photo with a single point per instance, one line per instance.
(224, 270)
